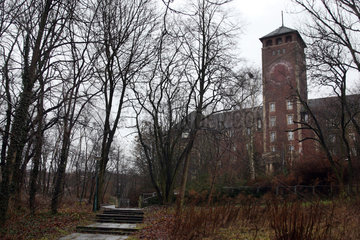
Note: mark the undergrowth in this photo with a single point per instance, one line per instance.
(251, 218)
(22, 225)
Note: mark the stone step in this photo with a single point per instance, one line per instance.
(108, 228)
(102, 231)
(123, 212)
(92, 236)
(105, 215)
(120, 218)
(111, 220)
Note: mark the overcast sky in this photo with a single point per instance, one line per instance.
(260, 17)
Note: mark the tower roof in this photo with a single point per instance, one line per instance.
(281, 31)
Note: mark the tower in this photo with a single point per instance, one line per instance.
(284, 78)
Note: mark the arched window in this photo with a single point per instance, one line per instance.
(279, 41)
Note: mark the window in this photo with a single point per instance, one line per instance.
(272, 148)
(328, 123)
(274, 52)
(279, 41)
(272, 107)
(331, 123)
(306, 117)
(185, 135)
(272, 121)
(353, 151)
(317, 147)
(283, 51)
(332, 138)
(290, 119)
(279, 51)
(352, 137)
(248, 131)
(259, 123)
(288, 39)
(291, 148)
(290, 136)
(289, 105)
(272, 136)
(269, 42)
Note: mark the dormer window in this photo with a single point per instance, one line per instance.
(288, 38)
(269, 43)
(279, 41)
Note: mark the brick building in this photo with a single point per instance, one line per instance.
(284, 74)
(271, 136)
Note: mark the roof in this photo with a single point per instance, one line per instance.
(281, 31)
(333, 102)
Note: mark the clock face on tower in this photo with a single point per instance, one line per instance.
(280, 73)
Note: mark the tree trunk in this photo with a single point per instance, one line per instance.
(83, 189)
(60, 176)
(17, 143)
(18, 131)
(38, 152)
(92, 189)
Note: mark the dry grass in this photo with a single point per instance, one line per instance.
(263, 219)
(200, 222)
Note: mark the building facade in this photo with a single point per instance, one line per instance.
(272, 136)
(284, 79)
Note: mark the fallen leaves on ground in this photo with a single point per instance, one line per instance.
(43, 225)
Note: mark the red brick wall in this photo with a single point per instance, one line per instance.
(283, 74)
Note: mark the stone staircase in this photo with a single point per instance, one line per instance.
(112, 223)
(120, 216)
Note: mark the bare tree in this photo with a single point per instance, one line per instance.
(161, 107)
(123, 41)
(207, 44)
(40, 25)
(187, 80)
(77, 91)
(333, 53)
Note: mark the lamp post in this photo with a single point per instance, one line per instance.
(96, 195)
